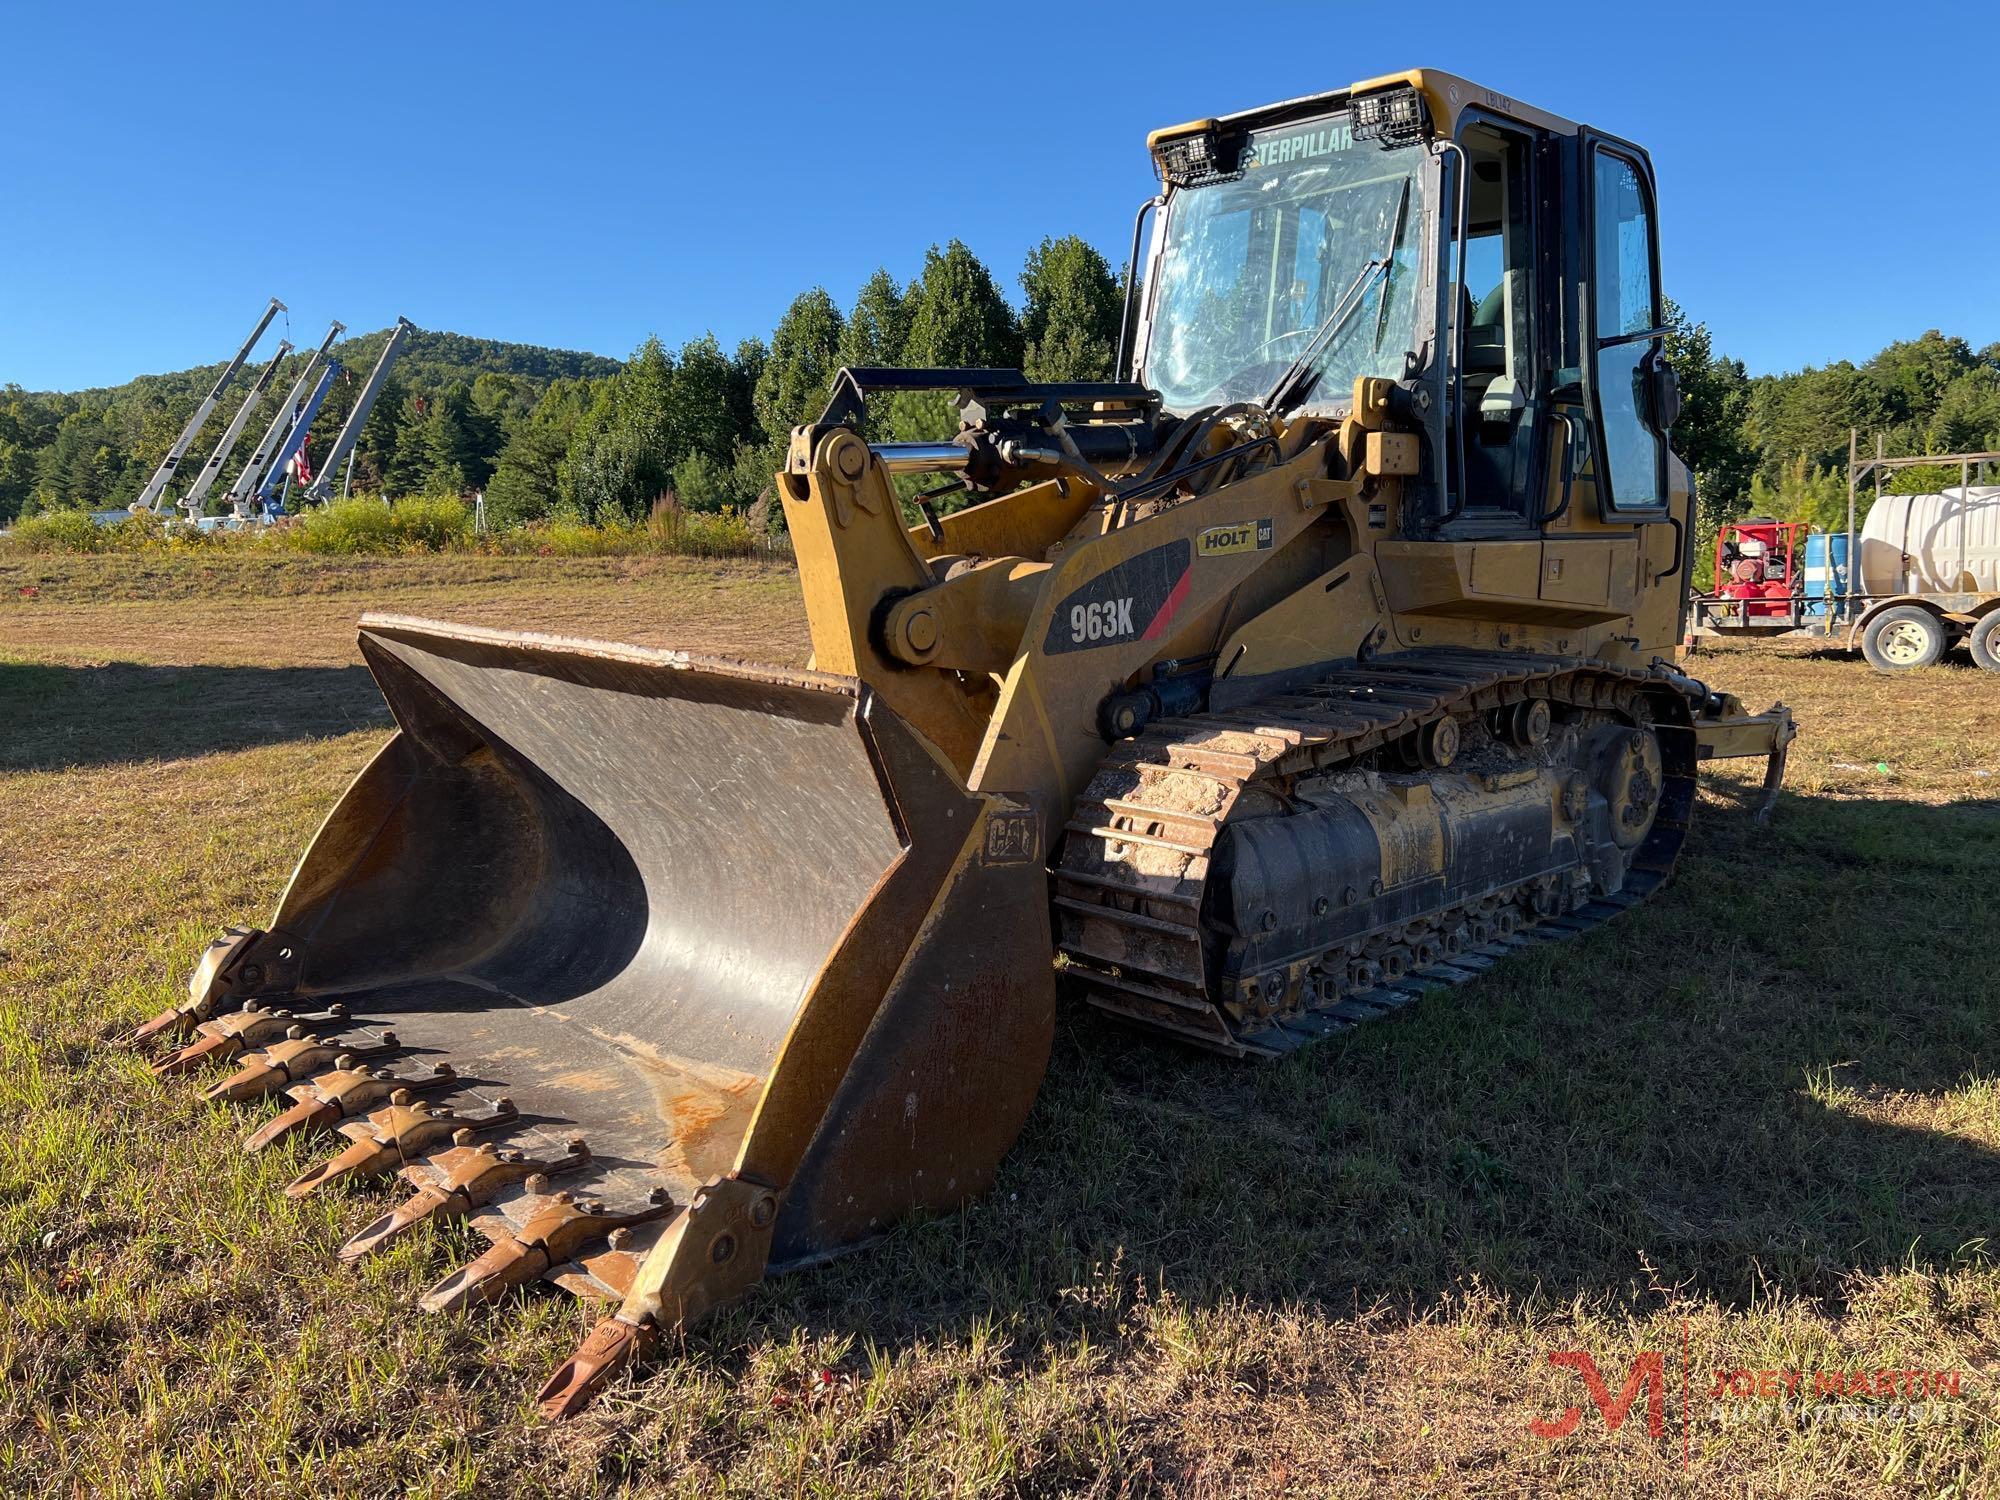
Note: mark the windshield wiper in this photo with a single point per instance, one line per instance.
(1301, 375)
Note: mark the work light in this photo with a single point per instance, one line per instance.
(1203, 156)
(1396, 117)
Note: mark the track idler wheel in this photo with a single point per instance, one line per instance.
(1525, 725)
(1438, 743)
(1632, 778)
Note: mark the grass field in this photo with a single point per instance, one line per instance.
(1754, 1125)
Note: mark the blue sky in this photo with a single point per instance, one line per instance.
(583, 175)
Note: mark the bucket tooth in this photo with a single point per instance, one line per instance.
(557, 1228)
(453, 1183)
(706, 1254)
(612, 1345)
(204, 989)
(320, 1104)
(226, 1038)
(286, 1062)
(380, 1143)
(240, 963)
(171, 1024)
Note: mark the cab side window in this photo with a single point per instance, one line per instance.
(1626, 311)
(1496, 311)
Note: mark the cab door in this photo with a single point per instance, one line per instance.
(1608, 467)
(1626, 381)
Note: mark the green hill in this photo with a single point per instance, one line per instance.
(429, 357)
(99, 446)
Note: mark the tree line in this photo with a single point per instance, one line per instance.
(547, 432)
(1776, 445)
(97, 448)
(709, 428)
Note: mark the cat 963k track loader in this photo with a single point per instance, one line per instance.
(1322, 662)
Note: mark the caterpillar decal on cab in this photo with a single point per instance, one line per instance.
(1136, 600)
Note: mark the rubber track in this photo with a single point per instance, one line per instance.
(1160, 800)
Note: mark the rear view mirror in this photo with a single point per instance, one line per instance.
(1663, 391)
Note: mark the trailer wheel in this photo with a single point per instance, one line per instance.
(1900, 639)
(1985, 642)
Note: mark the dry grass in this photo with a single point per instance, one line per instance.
(1755, 1121)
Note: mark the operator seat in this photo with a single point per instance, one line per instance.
(1486, 334)
(1496, 460)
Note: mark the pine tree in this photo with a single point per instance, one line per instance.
(1967, 418)
(79, 469)
(506, 398)
(578, 477)
(1708, 435)
(1912, 374)
(527, 481)
(621, 457)
(792, 386)
(17, 478)
(700, 419)
(959, 317)
(454, 460)
(646, 395)
(375, 448)
(1070, 327)
(746, 367)
(407, 468)
(879, 327)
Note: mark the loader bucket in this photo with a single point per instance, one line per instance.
(652, 932)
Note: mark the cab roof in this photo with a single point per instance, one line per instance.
(1447, 95)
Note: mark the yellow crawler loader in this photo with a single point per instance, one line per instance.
(1320, 662)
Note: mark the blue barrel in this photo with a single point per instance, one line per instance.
(1825, 571)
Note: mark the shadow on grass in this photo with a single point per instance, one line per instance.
(1735, 1090)
(1958, 659)
(59, 717)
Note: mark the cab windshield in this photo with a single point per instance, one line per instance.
(1311, 246)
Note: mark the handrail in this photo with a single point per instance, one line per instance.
(1680, 546)
(1571, 421)
(1455, 507)
(1133, 285)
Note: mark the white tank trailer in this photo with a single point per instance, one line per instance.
(1948, 543)
(1930, 569)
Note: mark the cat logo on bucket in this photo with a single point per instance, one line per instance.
(1249, 536)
